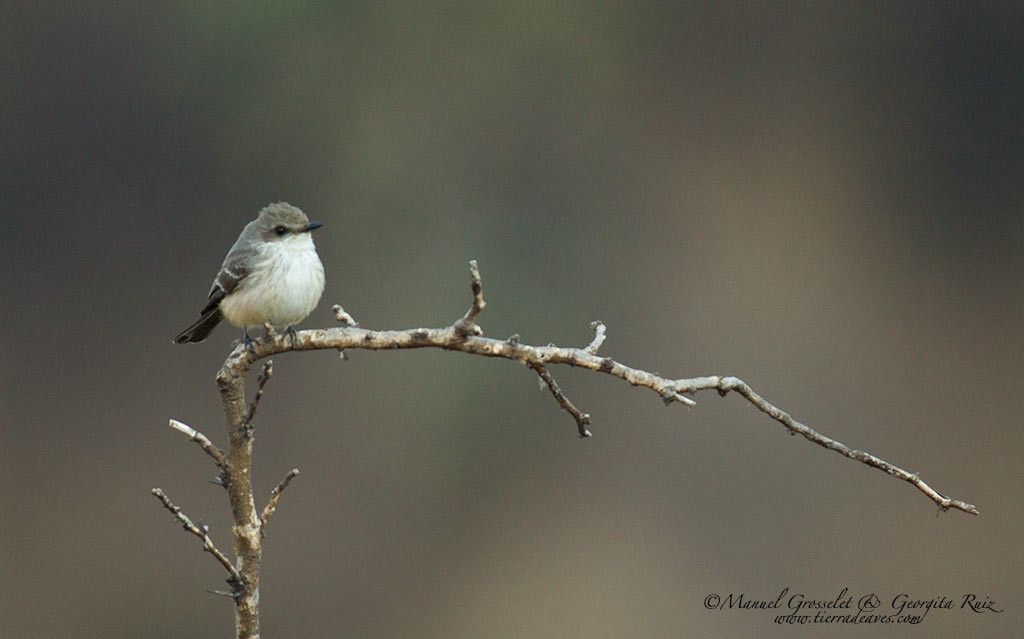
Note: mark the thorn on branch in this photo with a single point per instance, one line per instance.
(237, 586)
(582, 419)
(221, 479)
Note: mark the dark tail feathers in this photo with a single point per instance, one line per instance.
(202, 328)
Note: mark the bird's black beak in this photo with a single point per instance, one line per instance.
(311, 226)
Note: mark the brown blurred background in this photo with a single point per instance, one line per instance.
(824, 199)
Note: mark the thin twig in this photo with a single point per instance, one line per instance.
(204, 442)
(599, 329)
(582, 419)
(261, 381)
(201, 533)
(725, 384)
(275, 495)
(467, 326)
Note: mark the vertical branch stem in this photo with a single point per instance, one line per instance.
(246, 528)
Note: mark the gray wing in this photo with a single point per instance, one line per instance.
(232, 273)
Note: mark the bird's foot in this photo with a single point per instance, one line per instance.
(248, 341)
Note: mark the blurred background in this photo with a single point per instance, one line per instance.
(822, 198)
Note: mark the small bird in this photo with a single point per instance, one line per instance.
(272, 275)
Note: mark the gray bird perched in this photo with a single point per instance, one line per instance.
(272, 275)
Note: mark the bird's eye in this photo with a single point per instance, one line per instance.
(280, 230)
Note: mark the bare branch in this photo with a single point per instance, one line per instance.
(261, 381)
(204, 442)
(275, 495)
(466, 337)
(201, 533)
(582, 419)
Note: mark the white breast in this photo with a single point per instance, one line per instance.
(282, 288)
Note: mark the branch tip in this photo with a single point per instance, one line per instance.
(275, 495)
(725, 384)
(582, 419)
(344, 317)
(684, 400)
(599, 329)
(202, 440)
(466, 326)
